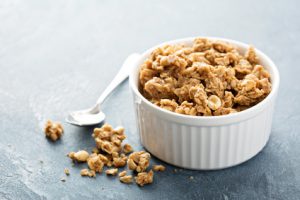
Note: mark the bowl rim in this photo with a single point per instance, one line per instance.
(238, 116)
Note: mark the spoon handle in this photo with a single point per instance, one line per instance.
(119, 78)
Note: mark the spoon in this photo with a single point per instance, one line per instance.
(94, 115)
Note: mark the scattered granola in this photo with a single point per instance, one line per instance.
(80, 156)
(126, 179)
(67, 171)
(123, 173)
(159, 168)
(144, 178)
(127, 148)
(89, 173)
(53, 130)
(95, 163)
(112, 172)
(110, 152)
(108, 139)
(205, 79)
(139, 161)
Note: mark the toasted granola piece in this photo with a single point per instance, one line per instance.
(201, 44)
(95, 163)
(224, 111)
(159, 168)
(119, 161)
(144, 178)
(158, 88)
(112, 172)
(126, 179)
(108, 139)
(89, 173)
(127, 148)
(123, 173)
(251, 56)
(53, 130)
(222, 47)
(168, 104)
(80, 156)
(243, 67)
(186, 108)
(67, 171)
(138, 161)
(228, 99)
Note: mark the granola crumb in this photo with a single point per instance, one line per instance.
(53, 130)
(80, 156)
(89, 173)
(108, 139)
(123, 173)
(144, 178)
(67, 171)
(95, 163)
(159, 168)
(126, 179)
(138, 161)
(127, 148)
(112, 172)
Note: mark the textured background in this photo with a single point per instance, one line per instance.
(57, 56)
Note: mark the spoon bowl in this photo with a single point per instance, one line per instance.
(94, 115)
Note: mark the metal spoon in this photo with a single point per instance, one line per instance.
(94, 115)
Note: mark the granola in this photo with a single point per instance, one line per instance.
(144, 178)
(112, 172)
(80, 156)
(53, 130)
(126, 179)
(208, 78)
(139, 161)
(115, 156)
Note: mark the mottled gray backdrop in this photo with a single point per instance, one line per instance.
(57, 56)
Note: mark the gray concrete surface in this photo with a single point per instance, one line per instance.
(57, 56)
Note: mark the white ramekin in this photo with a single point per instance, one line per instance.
(206, 143)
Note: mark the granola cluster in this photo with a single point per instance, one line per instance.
(208, 78)
(53, 130)
(110, 153)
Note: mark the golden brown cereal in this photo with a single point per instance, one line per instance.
(159, 168)
(108, 139)
(53, 130)
(144, 178)
(123, 173)
(139, 161)
(208, 78)
(126, 179)
(67, 171)
(86, 172)
(112, 172)
(127, 148)
(119, 162)
(95, 163)
(80, 156)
